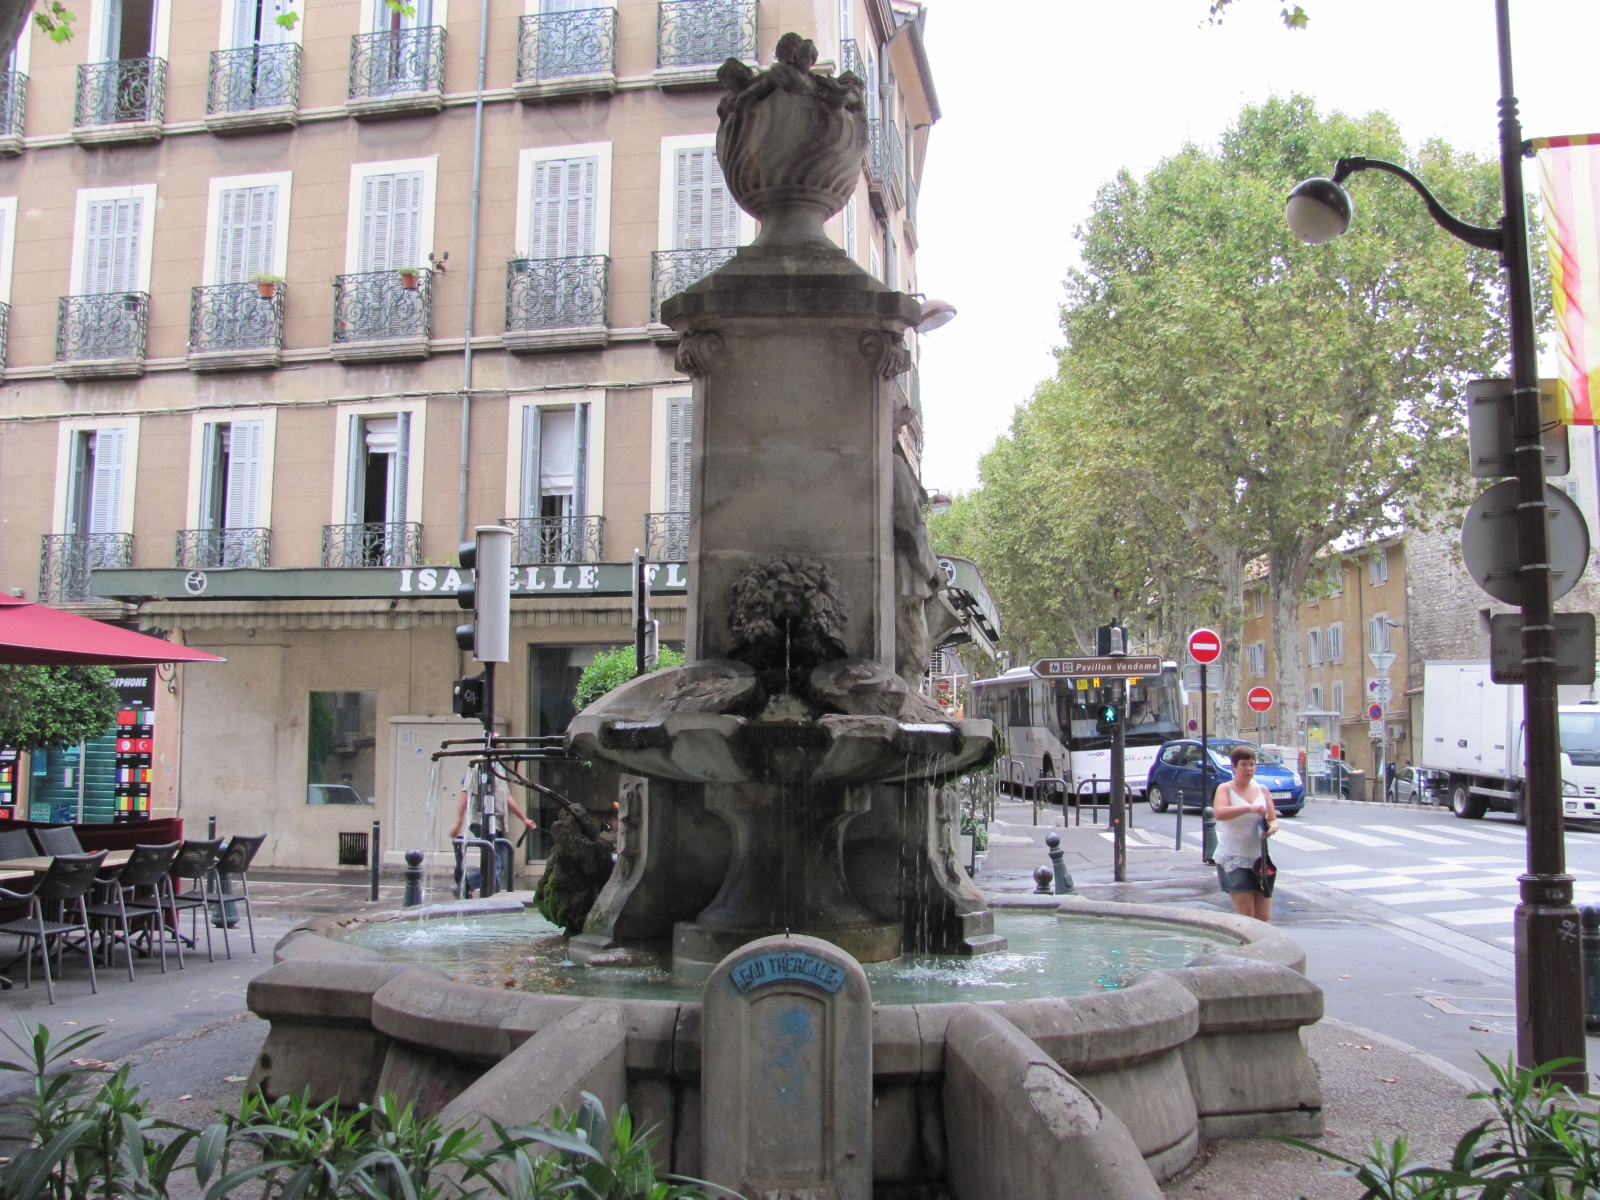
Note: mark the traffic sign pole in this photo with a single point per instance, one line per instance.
(1205, 647)
(1119, 789)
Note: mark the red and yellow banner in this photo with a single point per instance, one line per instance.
(1569, 172)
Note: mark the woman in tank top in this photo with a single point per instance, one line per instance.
(1245, 819)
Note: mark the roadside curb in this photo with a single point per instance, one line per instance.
(1471, 1082)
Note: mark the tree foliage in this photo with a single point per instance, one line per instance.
(51, 707)
(1226, 392)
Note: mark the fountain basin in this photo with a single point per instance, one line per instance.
(1209, 1049)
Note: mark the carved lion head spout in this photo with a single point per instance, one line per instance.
(786, 609)
(791, 142)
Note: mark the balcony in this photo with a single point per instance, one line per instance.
(120, 101)
(254, 89)
(376, 544)
(567, 54)
(885, 168)
(217, 549)
(101, 336)
(541, 540)
(850, 60)
(233, 327)
(666, 537)
(695, 37)
(556, 303)
(378, 318)
(65, 560)
(671, 271)
(396, 73)
(13, 108)
(5, 332)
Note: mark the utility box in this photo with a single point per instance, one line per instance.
(418, 816)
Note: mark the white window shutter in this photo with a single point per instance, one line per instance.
(704, 213)
(111, 49)
(532, 427)
(246, 231)
(244, 476)
(262, 230)
(244, 23)
(105, 511)
(400, 473)
(404, 250)
(539, 214)
(680, 419)
(125, 246)
(850, 247)
(580, 460)
(355, 490)
(391, 221)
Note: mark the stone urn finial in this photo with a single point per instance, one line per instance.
(791, 142)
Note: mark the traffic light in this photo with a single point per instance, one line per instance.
(1108, 706)
(488, 596)
(1110, 639)
(468, 699)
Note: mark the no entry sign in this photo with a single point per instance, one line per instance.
(1259, 699)
(1205, 646)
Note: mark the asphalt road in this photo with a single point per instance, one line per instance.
(1406, 916)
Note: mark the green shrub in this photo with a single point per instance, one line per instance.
(613, 668)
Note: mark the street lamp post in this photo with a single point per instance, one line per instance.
(1549, 980)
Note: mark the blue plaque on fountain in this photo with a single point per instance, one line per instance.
(787, 965)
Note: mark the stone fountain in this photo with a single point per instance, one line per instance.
(787, 817)
(797, 721)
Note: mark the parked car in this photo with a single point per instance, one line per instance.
(332, 793)
(1177, 774)
(1416, 785)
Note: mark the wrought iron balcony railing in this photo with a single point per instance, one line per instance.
(235, 316)
(126, 89)
(556, 293)
(554, 539)
(886, 157)
(65, 560)
(5, 331)
(693, 33)
(377, 306)
(673, 270)
(666, 536)
(13, 103)
(376, 544)
(396, 61)
(102, 326)
(254, 78)
(850, 59)
(560, 45)
(213, 549)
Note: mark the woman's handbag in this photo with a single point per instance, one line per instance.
(1266, 872)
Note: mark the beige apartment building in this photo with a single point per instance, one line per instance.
(1358, 606)
(254, 393)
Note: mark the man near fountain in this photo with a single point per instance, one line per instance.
(501, 799)
(1246, 819)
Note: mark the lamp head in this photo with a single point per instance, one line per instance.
(935, 315)
(1318, 210)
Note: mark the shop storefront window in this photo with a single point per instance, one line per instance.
(341, 748)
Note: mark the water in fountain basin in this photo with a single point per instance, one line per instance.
(1048, 955)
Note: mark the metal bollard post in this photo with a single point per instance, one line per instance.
(1590, 914)
(374, 858)
(1043, 881)
(1063, 881)
(413, 878)
(1208, 835)
(211, 828)
(1127, 804)
(1094, 799)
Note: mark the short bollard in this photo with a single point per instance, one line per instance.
(1058, 856)
(1208, 835)
(1591, 966)
(1044, 880)
(413, 878)
(374, 859)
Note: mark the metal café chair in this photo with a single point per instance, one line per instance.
(15, 843)
(197, 863)
(235, 864)
(67, 882)
(148, 867)
(61, 839)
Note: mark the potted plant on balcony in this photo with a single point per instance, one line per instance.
(266, 284)
(408, 278)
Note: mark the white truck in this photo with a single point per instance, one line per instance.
(1472, 731)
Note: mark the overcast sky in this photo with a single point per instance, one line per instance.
(1044, 100)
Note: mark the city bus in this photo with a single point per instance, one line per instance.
(1053, 727)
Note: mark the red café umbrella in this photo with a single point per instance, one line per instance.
(38, 635)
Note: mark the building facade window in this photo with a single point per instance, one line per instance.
(1338, 698)
(850, 246)
(1378, 567)
(1316, 700)
(1336, 580)
(555, 462)
(390, 221)
(1314, 647)
(1256, 657)
(341, 747)
(1378, 633)
(1258, 601)
(1335, 643)
(704, 215)
(111, 249)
